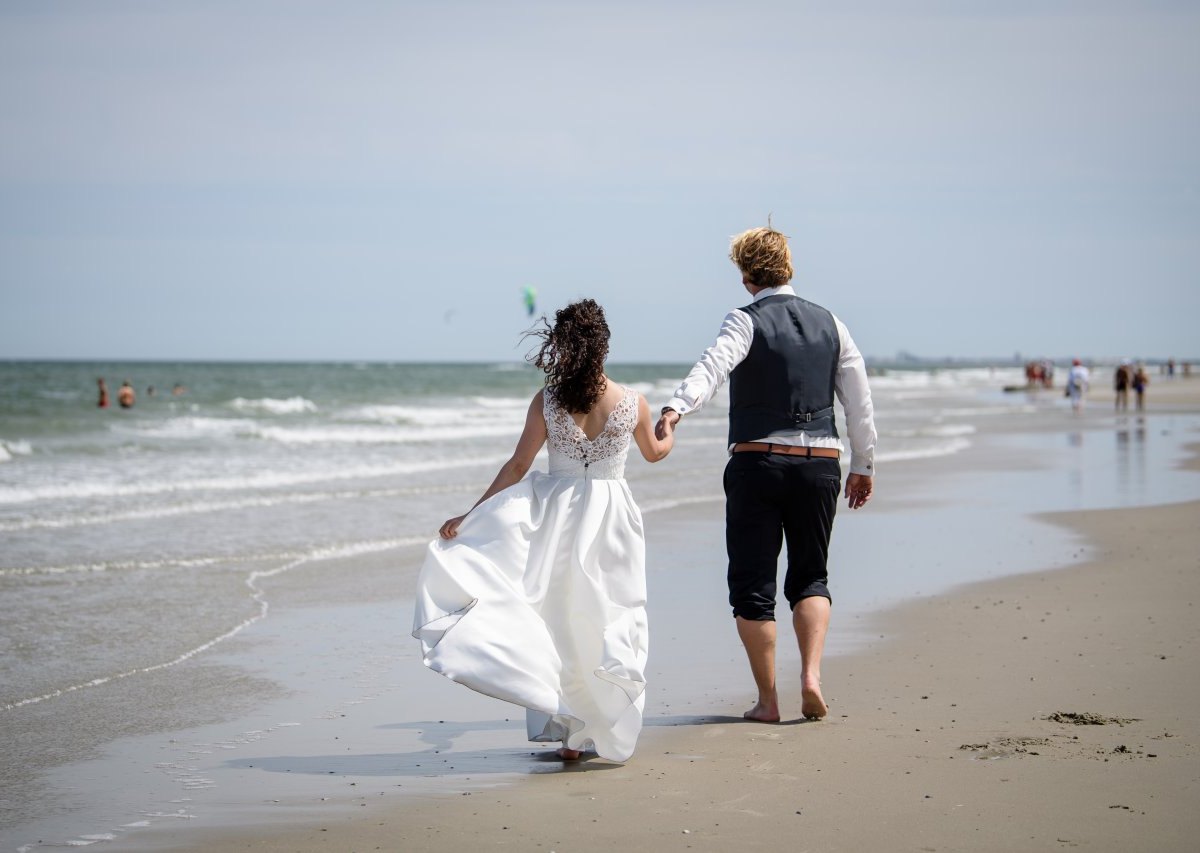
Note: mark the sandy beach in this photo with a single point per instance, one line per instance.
(1051, 709)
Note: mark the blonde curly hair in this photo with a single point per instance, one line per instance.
(763, 256)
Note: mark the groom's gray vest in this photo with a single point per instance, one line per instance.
(785, 383)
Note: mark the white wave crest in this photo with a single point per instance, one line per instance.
(384, 435)
(519, 403)
(949, 448)
(658, 389)
(947, 378)
(290, 406)
(395, 425)
(497, 411)
(195, 427)
(1020, 409)
(944, 431)
(671, 503)
(201, 562)
(9, 449)
(265, 480)
(949, 430)
(199, 507)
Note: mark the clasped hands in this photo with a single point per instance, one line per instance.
(666, 424)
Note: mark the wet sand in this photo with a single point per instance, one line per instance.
(1046, 710)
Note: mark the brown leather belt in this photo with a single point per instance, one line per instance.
(786, 449)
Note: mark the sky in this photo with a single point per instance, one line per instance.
(379, 180)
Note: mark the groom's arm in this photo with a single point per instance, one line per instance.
(850, 385)
(713, 369)
(854, 393)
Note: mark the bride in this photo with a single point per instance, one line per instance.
(537, 594)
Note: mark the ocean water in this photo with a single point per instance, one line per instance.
(136, 545)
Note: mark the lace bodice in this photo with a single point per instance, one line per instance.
(573, 455)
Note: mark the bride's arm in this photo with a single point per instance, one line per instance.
(511, 472)
(653, 448)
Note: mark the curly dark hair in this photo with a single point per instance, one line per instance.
(572, 354)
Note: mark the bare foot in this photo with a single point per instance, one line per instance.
(568, 754)
(763, 712)
(813, 705)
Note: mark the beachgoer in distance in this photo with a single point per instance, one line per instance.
(1140, 380)
(537, 595)
(103, 388)
(1077, 384)
(785, 359)
(1122, 379)
(125, 395)
(178, 390)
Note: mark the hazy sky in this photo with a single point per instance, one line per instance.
(358, 180)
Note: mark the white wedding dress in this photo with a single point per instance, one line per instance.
(540, 599)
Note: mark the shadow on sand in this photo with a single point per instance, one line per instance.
(440, 759)
(717, 720)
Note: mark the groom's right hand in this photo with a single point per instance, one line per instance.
(666, 424)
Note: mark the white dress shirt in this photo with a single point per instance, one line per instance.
(850, 385)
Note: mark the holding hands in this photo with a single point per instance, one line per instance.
(666, 424)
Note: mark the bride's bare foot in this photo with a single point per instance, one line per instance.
(813, 705)
(569, 754)
(763, 712)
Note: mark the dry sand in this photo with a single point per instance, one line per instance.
(952, 732)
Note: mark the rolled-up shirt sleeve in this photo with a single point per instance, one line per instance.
(854, 393)
(718, 361)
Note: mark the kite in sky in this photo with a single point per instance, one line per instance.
(530, 299)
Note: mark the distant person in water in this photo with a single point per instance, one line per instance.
(126, 396)
(178, 390)
(103, 387)
(149, 390)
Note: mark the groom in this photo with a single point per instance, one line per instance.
(785, 359)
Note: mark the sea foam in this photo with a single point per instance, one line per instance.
(290, 406)
(265, 480)
(9, 449)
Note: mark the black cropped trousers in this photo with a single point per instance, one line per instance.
(770, 498)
